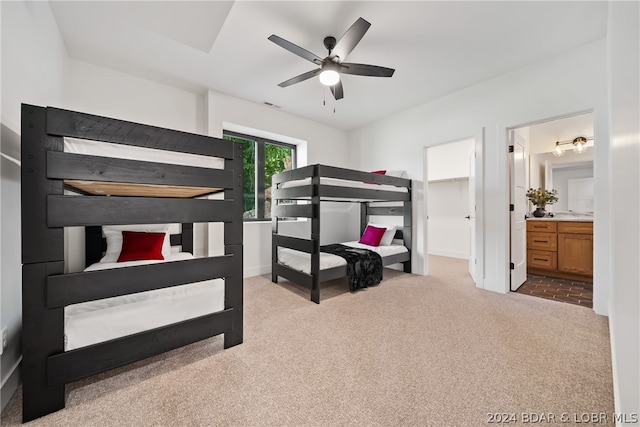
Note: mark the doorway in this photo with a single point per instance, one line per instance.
(450, 202)
(552, 256)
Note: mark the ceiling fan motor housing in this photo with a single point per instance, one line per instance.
(329, 43)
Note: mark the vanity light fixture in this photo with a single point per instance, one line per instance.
(578, 145)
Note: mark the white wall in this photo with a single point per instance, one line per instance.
(448, 168)
(32, 72)
(97, 90)
(624, 319)
(322, 144)
(449, 160)
(448, 230)
(540, 91)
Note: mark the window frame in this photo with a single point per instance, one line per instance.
(260, 144)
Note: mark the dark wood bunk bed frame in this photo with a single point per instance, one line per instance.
(46, 172)
(314, 193)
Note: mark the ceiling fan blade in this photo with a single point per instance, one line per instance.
(295, 49)
(350, 39)
(302, 77)
(337, 90)
(365, 70)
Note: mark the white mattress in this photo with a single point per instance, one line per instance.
(132, 152)
(344, 183)
(96, 321)
(301, 261)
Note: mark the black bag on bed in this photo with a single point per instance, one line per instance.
(364, 267)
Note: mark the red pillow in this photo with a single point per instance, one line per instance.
(139, 245)
(372, 235)
(380, 172)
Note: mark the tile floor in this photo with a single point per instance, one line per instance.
(569, 291)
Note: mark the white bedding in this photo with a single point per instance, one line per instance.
(96, 321)
(302, 261)
(132, 152)
(344, 183)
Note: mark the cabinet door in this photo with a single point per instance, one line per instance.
(575, 253)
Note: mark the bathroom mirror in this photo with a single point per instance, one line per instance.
(574, 183)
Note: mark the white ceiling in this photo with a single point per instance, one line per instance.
(436, 47)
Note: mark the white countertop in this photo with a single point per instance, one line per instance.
(563, 218)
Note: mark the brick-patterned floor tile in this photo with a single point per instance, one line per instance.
(569, 291)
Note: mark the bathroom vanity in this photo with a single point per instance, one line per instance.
(560, 247)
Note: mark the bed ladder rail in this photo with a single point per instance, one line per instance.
(83, 362)
(67, 289)
(296, 276)
(296, 243)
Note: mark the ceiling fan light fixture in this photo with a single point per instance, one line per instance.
(329, 77)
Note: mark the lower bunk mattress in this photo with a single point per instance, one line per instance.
(102, 320)
(301, 261)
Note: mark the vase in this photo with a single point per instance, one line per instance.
(539, 213)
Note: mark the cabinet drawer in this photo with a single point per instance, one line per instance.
(542, 241)
(582, 227)
(545, 260)
(544, 226)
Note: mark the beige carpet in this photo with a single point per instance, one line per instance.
(413, 351)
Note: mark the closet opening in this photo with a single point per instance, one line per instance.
(450, 208)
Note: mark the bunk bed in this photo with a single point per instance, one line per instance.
(298, 193)
(123, 197)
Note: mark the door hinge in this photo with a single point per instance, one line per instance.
(512, 207)
(511, 148)
(512, 266)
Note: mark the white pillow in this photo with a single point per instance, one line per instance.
(387, 237)
(397, 173)
(113, 233)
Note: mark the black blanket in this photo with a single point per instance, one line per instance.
(364, 267)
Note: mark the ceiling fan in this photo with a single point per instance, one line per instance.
(332, 66)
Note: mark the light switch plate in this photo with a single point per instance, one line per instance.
(5, 339)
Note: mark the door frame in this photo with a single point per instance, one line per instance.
(600, 299)
(479, 145)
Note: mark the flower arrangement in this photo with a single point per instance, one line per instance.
(541, 198)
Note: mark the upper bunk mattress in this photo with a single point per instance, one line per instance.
(301, 261)
(344, 183)
(101, 320)
(131, 152)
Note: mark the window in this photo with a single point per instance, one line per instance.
(263, 158)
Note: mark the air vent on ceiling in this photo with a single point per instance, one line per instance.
(271, 105)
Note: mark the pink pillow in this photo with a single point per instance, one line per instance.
(138, 246)
(372, 235)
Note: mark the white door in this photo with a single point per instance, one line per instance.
(472, 215)
(519, 202)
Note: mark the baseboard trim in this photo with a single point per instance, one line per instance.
(257, 271)
(450, 254)
(10, 385)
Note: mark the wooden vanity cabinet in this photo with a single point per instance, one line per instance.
(561, 249)
(575, 248)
